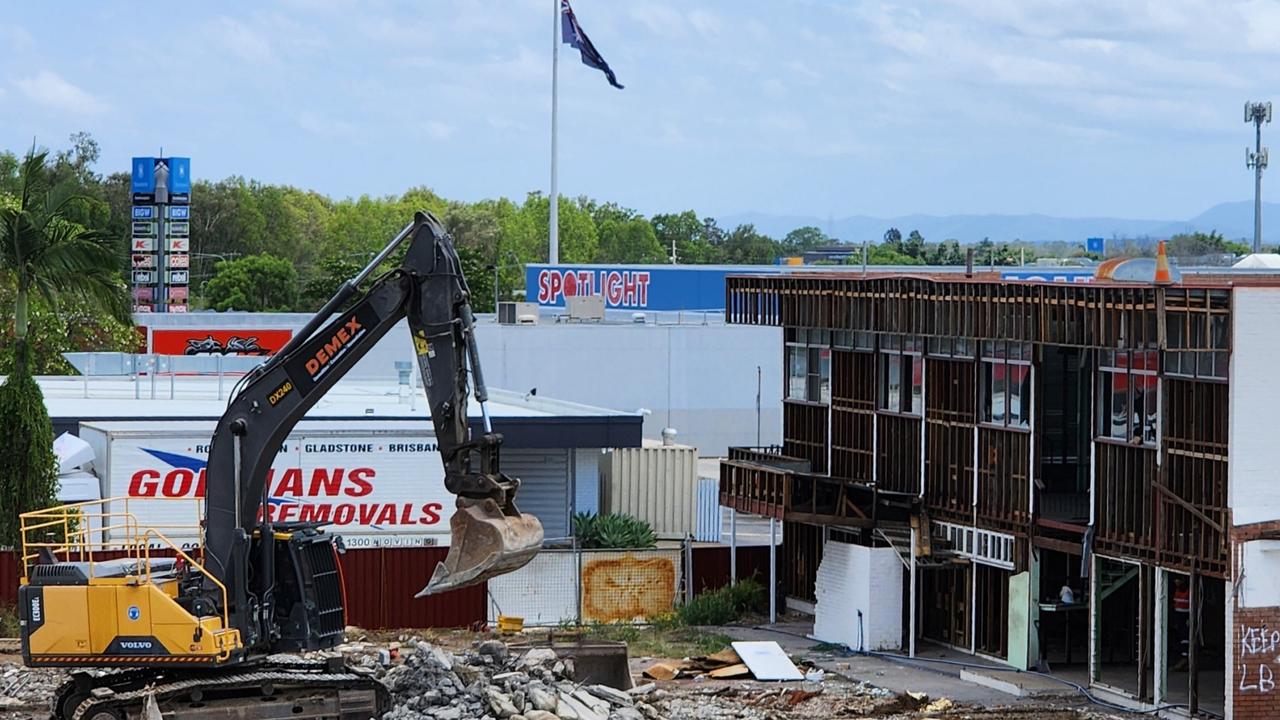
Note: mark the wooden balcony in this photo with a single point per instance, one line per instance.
(763, 481)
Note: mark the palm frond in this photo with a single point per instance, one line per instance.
(54, 256)
(35, 178)
(63, 198)
(75, 260)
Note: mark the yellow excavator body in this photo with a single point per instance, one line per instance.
(119, 621)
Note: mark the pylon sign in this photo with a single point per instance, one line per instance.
(161, 225)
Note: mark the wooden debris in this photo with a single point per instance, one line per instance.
(663, 671)
(730, 671)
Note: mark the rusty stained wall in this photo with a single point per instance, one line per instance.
(629, 586)
(614, 586)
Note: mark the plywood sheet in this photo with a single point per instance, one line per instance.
(767, 661)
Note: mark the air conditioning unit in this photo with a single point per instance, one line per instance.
(585, 307)
(517, 313)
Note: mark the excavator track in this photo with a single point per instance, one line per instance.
(264, 690)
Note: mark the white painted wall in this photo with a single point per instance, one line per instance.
(1253, 492)
(699, 379)
(1261, 581)
(853, 579)
(586, 480)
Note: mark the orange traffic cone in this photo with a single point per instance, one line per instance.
(1163, 276)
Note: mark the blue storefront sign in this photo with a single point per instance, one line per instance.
(636, 287)
(1049, 274)
(144, 175)
(179, 175)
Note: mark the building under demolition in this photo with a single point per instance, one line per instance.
(1080, 477)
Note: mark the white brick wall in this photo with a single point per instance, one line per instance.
(1254, 444)
(853, 579)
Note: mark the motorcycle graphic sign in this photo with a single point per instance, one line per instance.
(238, 341)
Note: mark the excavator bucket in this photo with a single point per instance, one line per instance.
(485, 543)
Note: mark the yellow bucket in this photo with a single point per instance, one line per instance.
(510, 624)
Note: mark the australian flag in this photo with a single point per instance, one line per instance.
(572, 34)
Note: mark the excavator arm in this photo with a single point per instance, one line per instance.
(489, 536)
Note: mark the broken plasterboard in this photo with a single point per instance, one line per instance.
(767, 661)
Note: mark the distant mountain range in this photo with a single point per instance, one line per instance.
(1233, 219)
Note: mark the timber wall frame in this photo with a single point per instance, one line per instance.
(1163, 503)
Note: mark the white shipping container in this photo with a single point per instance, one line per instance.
(378, 484)
(656, 483)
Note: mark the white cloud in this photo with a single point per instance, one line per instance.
(785, 122)
(659, 19)
(16, 37)
(244, 42)
(1035, 72)
(437, 130)
(704, 22)
(1262, 27)
(51, 90)
(506, 123)
(325, 126)
(773, 88)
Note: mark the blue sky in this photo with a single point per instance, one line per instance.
(1065, 107)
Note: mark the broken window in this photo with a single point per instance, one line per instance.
(808, 373)
(797, 371)
(901, 375)
(1128, 396)
(1006, 384)
(1197, 334)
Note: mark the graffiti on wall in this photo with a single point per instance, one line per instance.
(1259, 646)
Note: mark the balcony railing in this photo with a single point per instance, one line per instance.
(763, 481)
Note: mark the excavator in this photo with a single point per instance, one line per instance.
(222, 631)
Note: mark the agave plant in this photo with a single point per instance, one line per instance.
(614, 531)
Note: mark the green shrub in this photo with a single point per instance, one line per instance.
(28, 469)
(749, 595)
(614, 531)
(723, 605)
(710, 608)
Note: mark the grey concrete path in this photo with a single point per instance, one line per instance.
(905, 675)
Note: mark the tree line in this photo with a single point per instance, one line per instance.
(280, 247)
(263, 247)
(260, 246)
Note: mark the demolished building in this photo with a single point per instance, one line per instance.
(1068, 476)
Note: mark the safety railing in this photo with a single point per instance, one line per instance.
(148, 373)
(97, 532)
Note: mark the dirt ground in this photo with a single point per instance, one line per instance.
(24, 693)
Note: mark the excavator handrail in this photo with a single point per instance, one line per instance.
(146, 546)
(86, 533)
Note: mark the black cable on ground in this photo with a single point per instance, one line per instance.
(1078, 687)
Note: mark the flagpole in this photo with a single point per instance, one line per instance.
(554, 230)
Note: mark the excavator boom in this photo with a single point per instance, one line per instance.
(489, 535)
(204, 630)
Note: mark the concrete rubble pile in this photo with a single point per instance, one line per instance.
(494, 683)
(21, 687)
